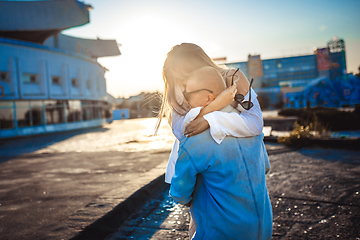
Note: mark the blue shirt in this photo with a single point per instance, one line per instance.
(227, 185)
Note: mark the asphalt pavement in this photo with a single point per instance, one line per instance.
(53, 186)
(314, 195)
(78, 184)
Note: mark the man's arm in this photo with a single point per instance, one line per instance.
(184, 179)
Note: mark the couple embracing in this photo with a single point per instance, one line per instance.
(218, 163)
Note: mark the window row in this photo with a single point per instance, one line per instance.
(36, 113)
(33, 78)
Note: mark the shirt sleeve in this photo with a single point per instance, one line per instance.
(170, 169)
(184, 179)
(246, 124)
(177, 122)
(190, 116)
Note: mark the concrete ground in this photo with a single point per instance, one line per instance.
(314, 194)
(53, 186)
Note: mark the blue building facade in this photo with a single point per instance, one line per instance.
(294, 81)
(289, 71)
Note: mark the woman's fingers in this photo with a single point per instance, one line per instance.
(196, 126)
(189, 128)
(233, 89)
(199, 128)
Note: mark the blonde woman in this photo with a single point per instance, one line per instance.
(180, 62)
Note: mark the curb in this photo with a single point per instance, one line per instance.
(112, 220)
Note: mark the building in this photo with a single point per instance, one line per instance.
(287, 81)
(143, 105)
(50, 82)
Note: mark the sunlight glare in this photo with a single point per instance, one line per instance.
(146, 38)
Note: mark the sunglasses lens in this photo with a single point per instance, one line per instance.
(247, 105)
(239, 98)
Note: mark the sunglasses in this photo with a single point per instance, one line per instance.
(186, 94)
(239, 98)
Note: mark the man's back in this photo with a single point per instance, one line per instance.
(230, 198)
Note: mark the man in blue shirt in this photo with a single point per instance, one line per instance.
(226, 182)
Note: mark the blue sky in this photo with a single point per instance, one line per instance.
(148, 29)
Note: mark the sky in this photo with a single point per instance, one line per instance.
(148, 29)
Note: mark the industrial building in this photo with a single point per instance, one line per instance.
(50, 82)
(319, 79)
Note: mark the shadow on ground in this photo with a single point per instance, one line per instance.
(160, 218)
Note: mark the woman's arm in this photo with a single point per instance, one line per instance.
(248, 123)
(236, 84)
(226, 97)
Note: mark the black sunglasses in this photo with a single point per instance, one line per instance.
(186, 94)
(239, 98)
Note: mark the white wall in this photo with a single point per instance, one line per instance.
(19, 59)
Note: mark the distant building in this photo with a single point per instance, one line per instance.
(295, 70)
(280, 82)
(143, 105)
(49, 81)
(120, 114)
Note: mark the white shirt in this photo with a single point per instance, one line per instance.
(228, 122)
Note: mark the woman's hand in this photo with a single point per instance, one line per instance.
(196, 126)
(242, 83)
(226, 97)
(199, 124)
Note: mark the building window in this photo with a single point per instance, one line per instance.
(74, 82)
(74, 111)
(97, 110)
(88, 84)
(87, 110)
(29, 78)
(7, 115)
(37, 117)
(279, 65)
(54, 112)
(107, 111)
(56, 80)
(23, 113)
(4, 76)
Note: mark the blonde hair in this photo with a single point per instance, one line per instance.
(181, 61)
